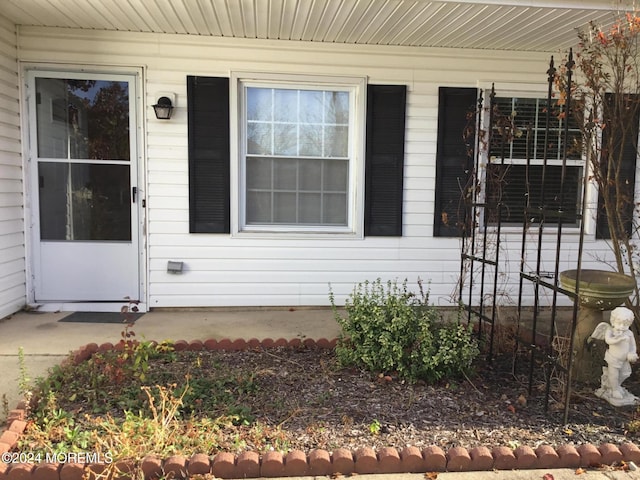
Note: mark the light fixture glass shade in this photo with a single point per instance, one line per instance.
(163, 108)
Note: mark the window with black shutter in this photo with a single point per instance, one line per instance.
(296, 148)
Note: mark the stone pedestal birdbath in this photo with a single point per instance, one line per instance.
(599, 291)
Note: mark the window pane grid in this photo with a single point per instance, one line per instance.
(320, 200)
(513, 117)
(297, 157)
(316, 124)
(519, 133)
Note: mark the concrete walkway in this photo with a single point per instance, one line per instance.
(45, 342)
(552, 474)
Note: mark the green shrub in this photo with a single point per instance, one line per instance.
(387, 328)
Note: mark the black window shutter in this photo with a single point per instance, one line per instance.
(627, 171)
(209, 154)
(453, 160)
(384, 159)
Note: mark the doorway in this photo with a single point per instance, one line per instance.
(84, 185)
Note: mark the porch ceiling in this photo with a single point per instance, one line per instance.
(526, 25)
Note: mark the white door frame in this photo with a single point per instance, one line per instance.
(31, 183)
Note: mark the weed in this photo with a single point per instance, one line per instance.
(55, 432)
(5, 405)
(128, 309)
(323, 398)
(240, 415)
(24, 382)
(135, 355)
(633, 427)
(374, 427)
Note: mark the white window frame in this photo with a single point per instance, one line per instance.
(356, 86)
(539, 91)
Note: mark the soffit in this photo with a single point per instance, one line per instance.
(533, 25)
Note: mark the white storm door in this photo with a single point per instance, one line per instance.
(84, 173)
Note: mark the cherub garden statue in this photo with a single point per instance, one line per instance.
(621, 352)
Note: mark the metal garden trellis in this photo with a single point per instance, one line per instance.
(482, 263)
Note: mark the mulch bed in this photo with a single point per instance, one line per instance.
(317, 404)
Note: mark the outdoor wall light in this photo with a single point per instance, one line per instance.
(163, 108)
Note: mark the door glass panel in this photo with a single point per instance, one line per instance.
(83, 201)
(82, 119)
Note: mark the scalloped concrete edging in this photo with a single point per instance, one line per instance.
(299, 463)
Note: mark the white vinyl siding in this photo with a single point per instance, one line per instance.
(12, 246)
(292, 270)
